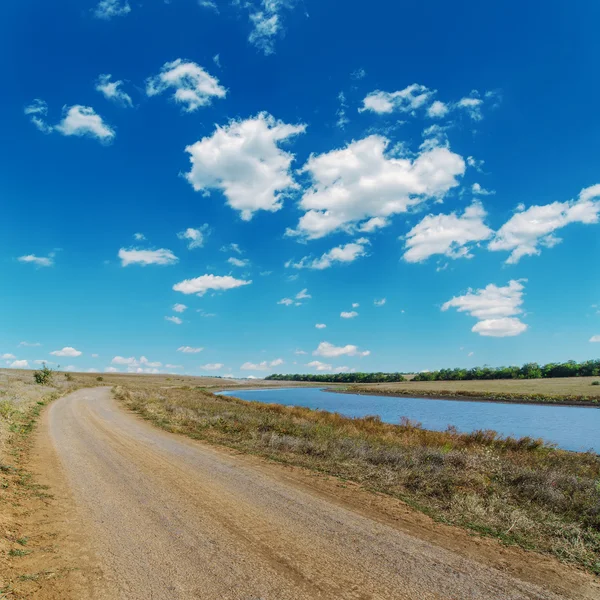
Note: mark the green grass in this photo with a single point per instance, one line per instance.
(518, 490)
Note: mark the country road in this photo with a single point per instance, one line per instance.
(159, 516)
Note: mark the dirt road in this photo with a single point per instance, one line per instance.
(158, 516)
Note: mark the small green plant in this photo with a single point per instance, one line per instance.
(23, 541)
(595, 382)
(18, 552)
(68, 377)
(43, 376)
(99, 378)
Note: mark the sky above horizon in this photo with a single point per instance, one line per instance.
(282, 186)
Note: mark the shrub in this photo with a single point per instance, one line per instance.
(99, 378)
(68, 377)
(43, 376)
(595, 382)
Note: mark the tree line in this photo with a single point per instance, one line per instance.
(341, 377)
(571, 368)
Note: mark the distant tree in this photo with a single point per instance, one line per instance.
(43, 376)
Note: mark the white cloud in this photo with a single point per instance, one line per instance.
(121, 360)
(38, 261)
(217, 60)
(179, 308)
(84, 121)
(330, 351)
(204, 283)
(303, 295)
(238, 262)
(243, 161)
(475, 163)
(353, 185)
(8, 356)
(358, 74)
(595, 338)
(95, 355)
(212, 366)
(19, 364)
(194, 87)
(67, 351)
(344, 370)
(355, 305)
(175, 320)
(379, 302)
(267, 24)
(139, 237)
(437, 109)
(189, 349)
(300, 352)
(194, 237)
(472, 106)
(38, 109)
(477, 190)
(261, 366)
(494, 307)
(349, 315)
(450, 235)
(343, 120)
(92, 370)
(209, 4)
(319, 366)
(373, 224)
(133, 256)
(29, 344)
(111, 90)
(170, 366)
(529, 229)
(410, 98)
(111, 370)
(131, 363)
(107, 9)
(346, 253)
(286, 301)
(231, 248)
(320, 326)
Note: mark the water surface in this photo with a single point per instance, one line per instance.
(570, 427)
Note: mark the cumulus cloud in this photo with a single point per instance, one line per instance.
(111, 370)
(38, 261)
(132, 362)
(319, 366)
(175, 320)
(179, 308)
(107, 9)
(261, 366)
(531, 229)
(193, 86)
(29, 344)
(286, 301)
(472, 106)
(84, 121)
(320, 326)
(8, 356)
(437, 109)
(349, 315)
(139, 237)
(133, 256)
(379, 302)
(303, 295)
(243, 160)
(212, 366)
(364, 180)
(407, 100)
(494, 307)
(346, 253)
(189, 349)
(66, 351)
(37, 112)
(19, 364)
(451, 235)
(204, 283)
(195, 237)
(330, 351)
(477, 190)
(111, 90)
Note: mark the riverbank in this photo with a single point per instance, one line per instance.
(464, 396)
(519, 491)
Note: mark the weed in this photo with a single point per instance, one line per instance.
(44, 376)
(18, 552)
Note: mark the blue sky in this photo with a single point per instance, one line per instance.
(273, 165)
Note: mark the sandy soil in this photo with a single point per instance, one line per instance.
(140, 513)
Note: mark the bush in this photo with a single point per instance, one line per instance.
(43, 376)
(99, 378)
(68, 377)
(595, 382)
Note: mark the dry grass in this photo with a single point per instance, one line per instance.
(575, 389)
(517, 490)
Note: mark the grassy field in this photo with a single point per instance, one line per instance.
(516, 490)
(575, 390)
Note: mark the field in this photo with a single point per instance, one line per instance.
(516, 490)
(576, 390)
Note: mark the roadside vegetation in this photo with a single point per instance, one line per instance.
(518, 490)
(341, 377)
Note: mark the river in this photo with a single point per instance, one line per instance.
(569, 427)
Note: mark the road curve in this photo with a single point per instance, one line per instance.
(169, 518)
